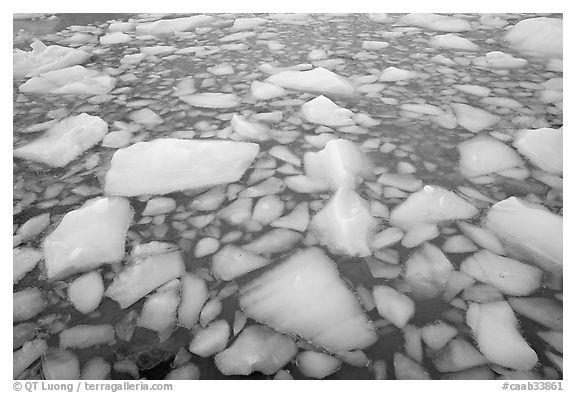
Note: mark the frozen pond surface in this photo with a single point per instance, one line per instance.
(361, 196)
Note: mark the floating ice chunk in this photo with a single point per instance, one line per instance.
(27, 304)
(297, 220)
(96, 369)
(495, 329)
(529, 232)
(117, 139)
(159, 310)
(275, 240)
(317, 364)
(116, 37)
(194, 295)
(483, 237)
(545, 311)
(160, 205)
(458, 355)
(71, 80)
(318, 80)
(543, 147)
(503, 102)
(221, 69)
(65, 140)
(143, 276)
(270, 186)
(133, 59)
(437, 335)
(146, 117)
(247, 23)
(306, 184)
(188, 371)
(427, 271)
(499, 60)
(60, 364)
(305, 295)
(393, 74)
(210, 311)
(538, 36)
(431, 204)
(158, 50)
(345, 224)
(237, 212)
(419, 233)
(27, 355)
(84, 336)
(426, 109)
(485, 155)
(474, 119)
(407, 369)
(322, 110)
(257, 348)
(393, 305)
(206, 246)
(31, 228)
(437, 22)
(507, 274)
(86, 291)
(121, 26)
(232, 262)
(386, 238)
(452, 41)
(211, 100)
(25, 259)
(88, 237)
(476, 90)
(168, 26)
(283, 153)
(266, 91)
(211, 339)
(44, 58)
(267, 209)
(404, 182)
(167, 165)
(341, 163)
(251, 131)
(374, 45)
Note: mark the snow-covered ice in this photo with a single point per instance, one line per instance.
(540, 36)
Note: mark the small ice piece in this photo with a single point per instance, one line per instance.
(305, 295)
(209, 200)
(132, 59)
(248, 130)
(529, 232)
(86, 291)
(194, 295)
(188, 371)
(116, 37)
(509, 275)
(31, 228)
(425, 109)
(317, 364)
(419, 233)
(60, 364)
(146, 117)
(25, 259)
(267, 209)
(84, 336)
(452, 41)
(393, 305)
(474, 119)
(438, 334)
(211, 100)
(427, 271)
(318, 80)
(386, 238)
(257, 348)
(27, 355)
(44, 58)
(88, 237)
(273, 241)
(266, 91)
(159, 310)
(407, 369)
(270, 186)
(283, 153)
(485, 155)
(237, 212)
(432, 204)
(232, 262)
(437, 22)
(247, 23)
(210, 311)
(458, 355)
(65, 140)
(162, 166)
(117, 139)
(345, 224)
(210, 340)
(306, 184)
(143, 276)
(221, 69)
(297, 220)
(494, 327)
(476, 90)
(543, 147)
(322, 110)
(170, 26)
(71, 80)
(159, 205)
(538, 36)
(483, 237)
(27, 303)
(406, 182)
(546, 311)
(393, 74)
(206, 246)
(96, 369)
(458, 244)
(374, 45)
(499, 61)
(341, 163)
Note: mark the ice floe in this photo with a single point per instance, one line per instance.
(194, 295)
(232, 262)
(24, 260)
(543, 147)
(247, 23)
(317, 364)
(322, 110)
(86, 291)
(116, 37)
(44, 58)
(84, 336)
(211, 339)
(474, 119)
(169, 26)
(393, 74)
(453, 41)
(211, 100)
(249, 130)
(427, 271)
(71, 80)
(499, 61)
(266, 91)
(393, 305)
(319, 80)
(540, 36)
(437, 22)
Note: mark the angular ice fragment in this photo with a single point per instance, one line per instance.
(345, 224)
(437, 335)
(116, 37)
(65, 140)
(427, 271)
(305, 295)
(27, 304)
(499, 61)
(374, 45)
(247, 23)
(543, 147)
(273, 241)
(167, 165)
(159, 310)
(458, 244)
(210, 311)
(211, 100)
(432, 204)
(206, 246)
(437, 22)
(84, 336)
(27, 355)
(386, 238)
(476, 90)
(232, 262)
(71, 80)
(146, 117)
(86, 291)
(167, 26)
(96, 369)
(407, 369)
(44, 58)
(267, 209)
(194, 295)
(419, 233)
(188, 371)
(545, 311)
(495, 329)
(458, 355)
(393, 305)
(266, 91)
(31, 228)
(25, 259)
(539, 36)
(251, 131)
(483, 237)
(160, 205)
(284, 154)
(318, 80)
(393, 74)
(297, 220)
(211, 339)
(60, 364)
(317, 364)
(117, 139)
(321, 110)
(143, 276)
(474, 119)
(306, 184)
(452, 41)
(257, 348)
(529, 232)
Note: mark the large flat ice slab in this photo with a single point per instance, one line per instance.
(44, 58)
(318, 80)
(528, 231)
(305, 295)
(168, 26)
(88, 237)
(538, 36)
(543, 147)
(167, 165)
(65, 140)
(71, 80)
